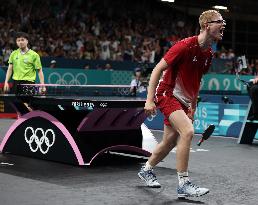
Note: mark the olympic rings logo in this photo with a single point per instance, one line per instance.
(67, 78)
(103, 105)
(41, 142)
(123, 91)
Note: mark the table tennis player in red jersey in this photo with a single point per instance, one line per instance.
(173, 88)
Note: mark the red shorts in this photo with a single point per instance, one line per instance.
(168, 105)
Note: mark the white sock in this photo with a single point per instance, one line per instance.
(147, 166)
(182, 178)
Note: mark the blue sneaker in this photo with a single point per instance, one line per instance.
(190, 190)
(149, 177)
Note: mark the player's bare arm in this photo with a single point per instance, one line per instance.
(150, 107)
(41, 79)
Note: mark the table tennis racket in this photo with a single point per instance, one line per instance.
(206, 134)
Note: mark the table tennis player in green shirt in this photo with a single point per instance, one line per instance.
(24, 63)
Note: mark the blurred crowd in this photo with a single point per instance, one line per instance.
(93, 29)
(230, 65)
(138, 31)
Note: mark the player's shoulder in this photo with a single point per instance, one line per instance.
(33, 53)
(186, 43)
(15, 51)
(190, 41)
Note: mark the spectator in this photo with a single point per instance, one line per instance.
(108, 67)
(86, 66)
(255, 68)
(98, 67)
(6, 54)
(52, 64)
(2, 62)
(128, 53)
(223, 53)
(105, 49)
(136, 83)
(231, 54)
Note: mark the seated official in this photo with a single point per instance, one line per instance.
(136, 83)
(253, 92)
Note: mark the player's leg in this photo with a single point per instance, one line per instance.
(168, 142)
(183, 125)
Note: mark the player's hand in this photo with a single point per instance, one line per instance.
(43, 90)
(150, 108)
(6, 87)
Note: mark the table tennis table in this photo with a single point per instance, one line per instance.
(76, 129)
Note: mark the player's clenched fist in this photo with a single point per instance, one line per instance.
(150, 108)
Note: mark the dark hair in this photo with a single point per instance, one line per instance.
(22, 35)
(136, 70)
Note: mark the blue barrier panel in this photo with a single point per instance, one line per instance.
(220, 82)
(231, 119)
(210, 82)
(232, 99)
(84, 77)
(76, 76)
(155, 121)
(227, 118)
(206, 113)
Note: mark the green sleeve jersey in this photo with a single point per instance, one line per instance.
(25, 65)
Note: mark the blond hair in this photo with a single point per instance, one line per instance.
(207, 16)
